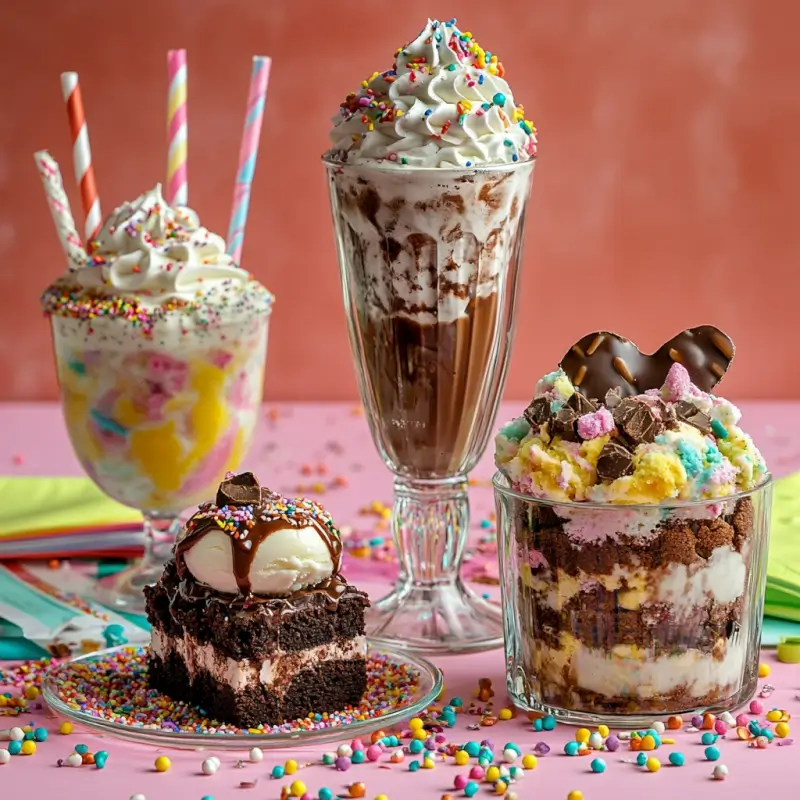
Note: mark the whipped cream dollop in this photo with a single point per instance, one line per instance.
(444, 103)
(148, 248)
(288, 561)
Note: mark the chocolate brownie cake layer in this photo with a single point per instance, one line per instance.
(681, 541)
(326, 687)
(181, 607)
(596, 620)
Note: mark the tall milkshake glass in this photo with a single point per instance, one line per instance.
(429, 261)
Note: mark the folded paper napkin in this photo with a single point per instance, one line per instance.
(60, 517)
(783, 570)
(47, 609)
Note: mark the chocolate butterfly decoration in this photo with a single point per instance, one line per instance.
(604, 361)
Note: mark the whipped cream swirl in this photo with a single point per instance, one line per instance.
(147, 248)
(443, 104)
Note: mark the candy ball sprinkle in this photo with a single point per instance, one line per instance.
(712, 753)
(256, 755)
(162, 764)
(208, 767)
(720, 772)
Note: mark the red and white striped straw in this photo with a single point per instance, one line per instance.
(82, 155)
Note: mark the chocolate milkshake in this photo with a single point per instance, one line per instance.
(433, 265)
(429, 177)
(429, 174)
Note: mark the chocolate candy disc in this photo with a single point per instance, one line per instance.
(604, 361)
(239, 490)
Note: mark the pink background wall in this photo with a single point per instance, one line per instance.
(666, 194)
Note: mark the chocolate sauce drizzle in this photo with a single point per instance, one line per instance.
(249, 514)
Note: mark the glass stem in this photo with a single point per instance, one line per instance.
(160, 532)
(430, 525)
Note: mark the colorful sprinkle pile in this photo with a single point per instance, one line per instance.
(65, 299)
(235, 518)
(114, 688)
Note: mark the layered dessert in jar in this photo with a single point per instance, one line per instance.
(160, 342)
(430, 171)
(252, 620)
(634, 515)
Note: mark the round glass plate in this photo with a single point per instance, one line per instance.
(107, 691)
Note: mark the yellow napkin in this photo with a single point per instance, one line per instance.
(32, 506)
(783, 570)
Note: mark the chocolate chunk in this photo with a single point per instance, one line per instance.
(563, 424)
(690, 414)
(581, 405)
(613, 398)
(637, 420)
(615, 461)
(538, 412)
(604, 360)
(667, 414)
(240, 490)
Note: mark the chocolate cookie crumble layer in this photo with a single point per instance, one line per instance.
(634, 620)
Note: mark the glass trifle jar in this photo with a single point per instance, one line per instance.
(633, 537)
(632, 611)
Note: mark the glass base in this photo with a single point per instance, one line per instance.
(631, 721)
(124, 591)
(437, 618)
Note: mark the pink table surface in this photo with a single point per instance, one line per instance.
(300, 445)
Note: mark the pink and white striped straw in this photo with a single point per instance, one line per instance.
(248, 153)
(177, 180)
(82, 155)
(59, 207)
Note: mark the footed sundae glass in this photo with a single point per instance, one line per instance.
(157, 420)
(159, 340)
(429, 264)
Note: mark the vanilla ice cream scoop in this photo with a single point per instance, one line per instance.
(287, 561)
(254, 542)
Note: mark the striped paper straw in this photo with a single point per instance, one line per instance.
(177, 182)
(59, 208)
(82, 155)
(256, 100)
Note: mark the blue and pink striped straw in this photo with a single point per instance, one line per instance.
(248, 153)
